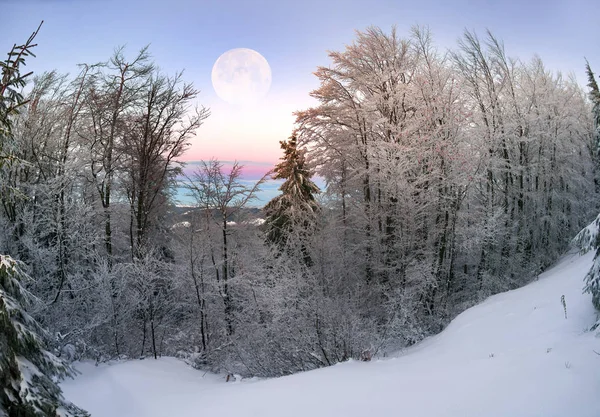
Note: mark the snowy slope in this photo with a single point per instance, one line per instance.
(513, 355)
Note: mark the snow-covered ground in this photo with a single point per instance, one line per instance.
(513, 355)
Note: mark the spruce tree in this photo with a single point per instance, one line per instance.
(291, 216)
(11, 82)
(595, 98)
(594, 95)
(592, 279)
(27, 370)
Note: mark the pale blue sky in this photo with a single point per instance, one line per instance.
(293, 36)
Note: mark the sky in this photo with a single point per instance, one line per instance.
(293, 36)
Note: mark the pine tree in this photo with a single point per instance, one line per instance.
(592, 279)
(594, 95)
(11, 100)
(11, 81)
(27, 370)
(291, 216)
(586, 240)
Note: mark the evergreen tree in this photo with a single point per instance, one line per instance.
(11, 100)
(11, 81)
(291, 216)
(27, 370)
(588, 237)
(586, 240)
(594, 95)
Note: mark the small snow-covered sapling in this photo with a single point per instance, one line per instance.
(564, 303)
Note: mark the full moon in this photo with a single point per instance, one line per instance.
(241, 76)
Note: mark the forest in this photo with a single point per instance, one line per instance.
(450, 176)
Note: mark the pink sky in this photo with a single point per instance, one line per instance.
(251, 132)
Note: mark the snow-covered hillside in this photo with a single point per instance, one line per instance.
(513, 355)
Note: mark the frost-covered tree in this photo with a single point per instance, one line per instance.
(28, 371)
(11, 100)
(439, 167)
(222, 195)
(115, 90)
(388, 138)
(155, 138)
(291, 216)
(531, 128)
(11, 83)
(594, 95)
(586, 240)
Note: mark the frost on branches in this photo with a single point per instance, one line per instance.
(293, 213)
(28, 372)
(587, 240)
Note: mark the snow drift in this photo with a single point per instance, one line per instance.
(516, 354)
